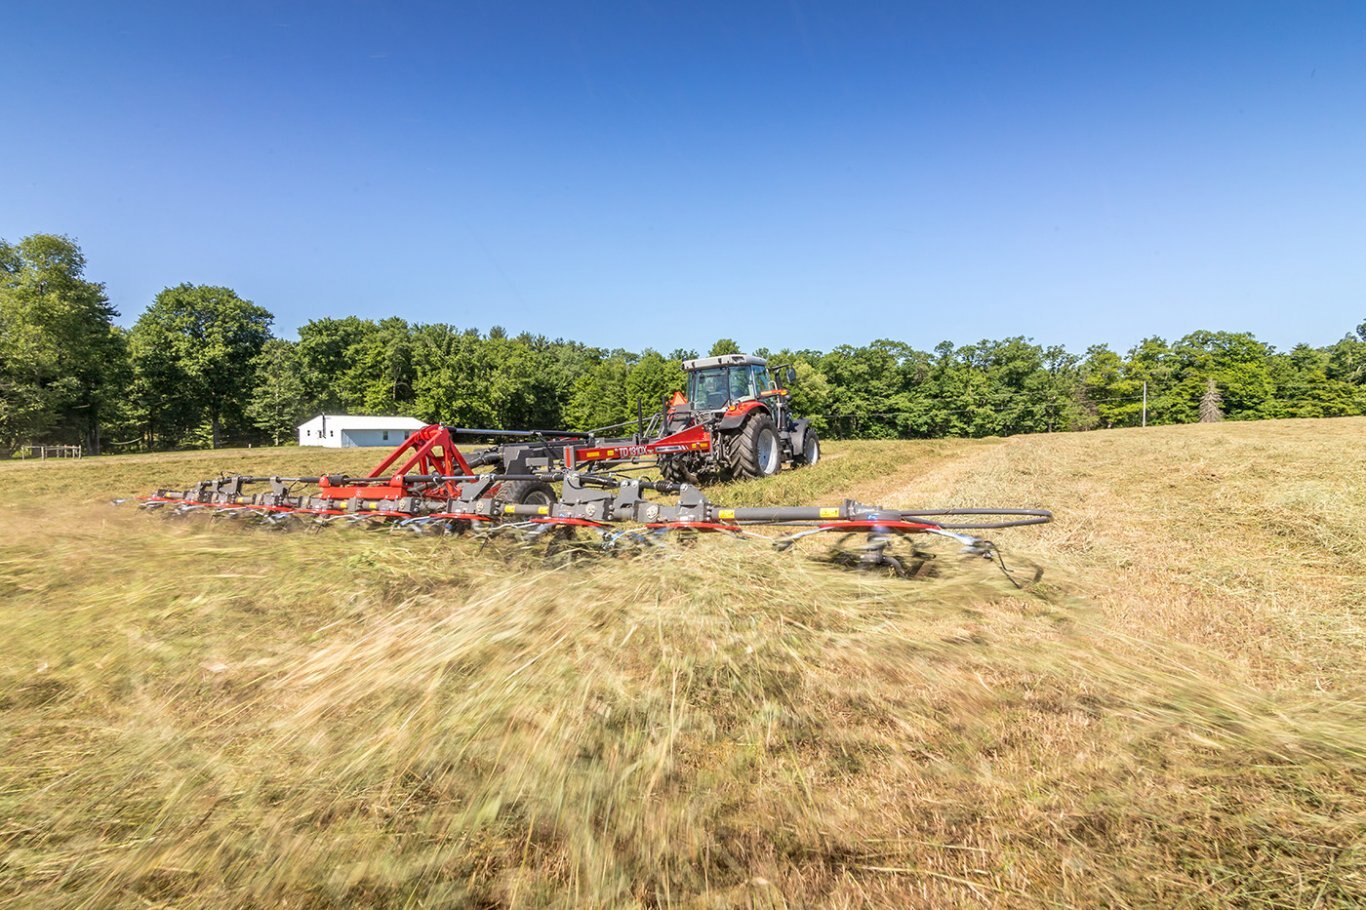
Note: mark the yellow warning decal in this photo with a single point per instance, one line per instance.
(509, 510)
(727, 514)
(543, 510)
(830, 513)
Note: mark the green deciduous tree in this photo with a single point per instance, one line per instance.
(62, 361)
(865, 390)
(1347, 358)
(324, 353)
(194, 352)
(377, 369)
(520, 385)
(1109, 389)
(649, 381)
(1237, 362)
(599, 397)
(278, 403)
(451, 383)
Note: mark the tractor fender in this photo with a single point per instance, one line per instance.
(737, 415)
(796, 434)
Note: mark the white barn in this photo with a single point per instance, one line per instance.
(338, 431)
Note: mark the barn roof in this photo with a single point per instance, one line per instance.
(364, 422)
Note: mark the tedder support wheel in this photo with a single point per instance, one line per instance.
(526, 493)
(755, 451)
(811, 449)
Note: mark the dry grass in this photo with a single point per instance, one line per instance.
(198, 715)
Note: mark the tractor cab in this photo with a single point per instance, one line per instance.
(721, 383)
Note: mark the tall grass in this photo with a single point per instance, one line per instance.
(203, 715)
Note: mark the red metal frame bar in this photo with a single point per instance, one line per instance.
(694, 439)
(430, 450)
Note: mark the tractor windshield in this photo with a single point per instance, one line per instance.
(714, 387)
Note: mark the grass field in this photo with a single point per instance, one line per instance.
(208, 716)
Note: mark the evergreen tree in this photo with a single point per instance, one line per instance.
(1211, 403)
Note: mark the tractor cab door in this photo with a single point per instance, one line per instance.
(742, 385)
(766, 389)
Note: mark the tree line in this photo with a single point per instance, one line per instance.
(201, 367)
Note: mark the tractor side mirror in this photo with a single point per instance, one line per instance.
(790, 375)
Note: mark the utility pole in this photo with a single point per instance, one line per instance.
(1145, 402)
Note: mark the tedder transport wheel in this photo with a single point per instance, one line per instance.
(526, 492)
(811, 449)
(755, 451)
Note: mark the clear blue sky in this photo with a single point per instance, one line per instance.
(654, 174)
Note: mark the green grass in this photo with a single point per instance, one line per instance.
(198, 715)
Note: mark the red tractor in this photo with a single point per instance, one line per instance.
(747, 416)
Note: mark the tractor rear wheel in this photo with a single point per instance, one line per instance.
(755, 451)
(526, 493)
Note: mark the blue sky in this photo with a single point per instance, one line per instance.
(649, 174)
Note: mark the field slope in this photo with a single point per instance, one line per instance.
(207, 716)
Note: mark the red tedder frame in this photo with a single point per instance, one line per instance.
(429, 451)
(694, 439)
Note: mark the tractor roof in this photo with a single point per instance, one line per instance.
(725, 360)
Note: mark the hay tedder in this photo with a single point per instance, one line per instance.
(565, 486)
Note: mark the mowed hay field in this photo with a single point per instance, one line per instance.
(201, 715)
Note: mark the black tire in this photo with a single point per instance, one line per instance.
(526, 493)
(811, 449)
(675, 469)
(755, 450)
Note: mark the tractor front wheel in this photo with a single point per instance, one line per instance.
(811, 449)
(755, 451)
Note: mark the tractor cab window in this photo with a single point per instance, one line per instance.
(741, 383)
(707, 389)
(715, 387)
